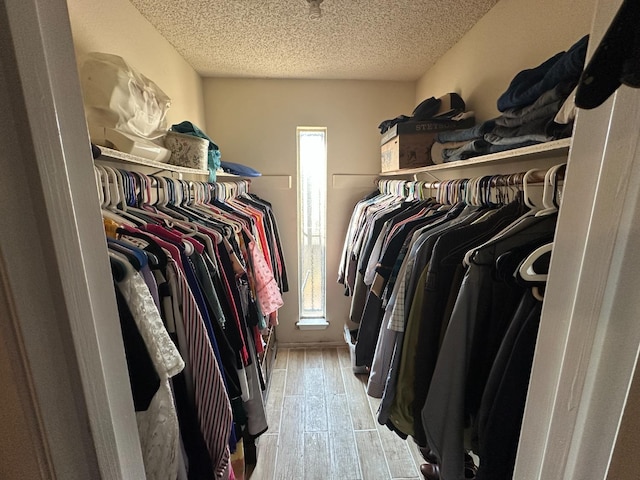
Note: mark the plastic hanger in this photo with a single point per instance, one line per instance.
(114, 188)
(535, 291)
(505, 231)
(99, 185)
(140, 201)
(527, 273)
(549, 195)
(108, 211)
(526, 270)
(118, 204)
(136, 257)
(556, 191)
(134, 216)
(157, 257)
(525, 188)
(104, 183)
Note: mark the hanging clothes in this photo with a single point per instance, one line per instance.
(483, 310)
(208, 260)
(158, 423)
(450, 305)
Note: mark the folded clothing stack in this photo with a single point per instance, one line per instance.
(448, 107)
(538, 106)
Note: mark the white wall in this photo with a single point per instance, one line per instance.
(514, 35)
(251, 118)
(254, 123)
(117, 27)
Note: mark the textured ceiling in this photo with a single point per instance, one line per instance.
(354, 39)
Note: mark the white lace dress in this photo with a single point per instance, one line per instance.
(158, 425)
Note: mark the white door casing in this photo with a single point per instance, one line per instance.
(74, 368)
(589, 335)
(58, 310)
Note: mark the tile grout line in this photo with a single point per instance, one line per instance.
(375, 422)
(281, 407)
(353, 431)
(405, 444)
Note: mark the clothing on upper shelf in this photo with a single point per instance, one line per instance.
(446, 310)
(537, 107)
(529, 84)
(196, 281)
(446, 107)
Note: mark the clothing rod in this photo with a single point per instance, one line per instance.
(533, 177)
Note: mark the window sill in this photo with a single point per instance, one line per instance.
(312, 324)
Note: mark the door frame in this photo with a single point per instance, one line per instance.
(65, 365)
(62, 318)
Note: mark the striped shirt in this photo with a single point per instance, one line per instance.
(211, 400)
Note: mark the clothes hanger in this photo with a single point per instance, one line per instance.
(556, 191)
(526, 270)
(122, 263)
(120, 200)
(549, 194)
(169, 205)
(136, 257)
(515, 187)
(209, 212)
(480, 197)
(537, 294)
(99, 185)
(193, 208)
(508, 230)
(137, 190)
(118, 268)
(223, 215)
(111, 185)
(146, 216)
(104, 186)
(108, 210)
(162, 188)
(156, 255)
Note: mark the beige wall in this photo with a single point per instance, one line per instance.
(512, 36)
(254, 123)
(117, 27)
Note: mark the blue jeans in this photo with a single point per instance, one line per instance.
(548, 103)
(476, 148)
(472, 133)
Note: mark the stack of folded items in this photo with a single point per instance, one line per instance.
(448, 109)
(537, 107)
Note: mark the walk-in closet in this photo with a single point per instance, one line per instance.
(447, 289)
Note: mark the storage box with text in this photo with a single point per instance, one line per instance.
(408, 144)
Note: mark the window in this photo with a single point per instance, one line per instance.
(312, 230)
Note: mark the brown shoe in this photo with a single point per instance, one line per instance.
(430, 471)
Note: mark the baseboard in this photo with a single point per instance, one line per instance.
(311, 345)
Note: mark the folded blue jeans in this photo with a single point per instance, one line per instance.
(473, 133)
(475, 148)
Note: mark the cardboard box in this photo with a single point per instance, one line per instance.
(408, 144)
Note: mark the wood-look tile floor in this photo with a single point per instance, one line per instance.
(322, 424)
